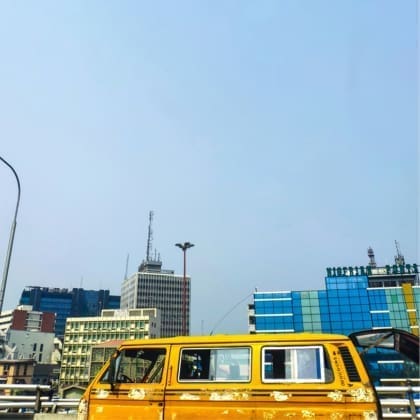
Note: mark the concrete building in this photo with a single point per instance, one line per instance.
(153, 287)
(82, 333)
(27, 334)
(354, 299)
(100, 354)
(68, 303)
(16, 371)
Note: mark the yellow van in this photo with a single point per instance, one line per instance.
(261, 377)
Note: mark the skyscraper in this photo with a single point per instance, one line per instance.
(153, 287)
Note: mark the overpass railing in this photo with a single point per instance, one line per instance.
(35, 399)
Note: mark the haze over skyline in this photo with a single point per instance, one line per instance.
(280, 138)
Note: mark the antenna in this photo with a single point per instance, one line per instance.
(126, 266)
(399, 258)
(371, 255)
(149, 237)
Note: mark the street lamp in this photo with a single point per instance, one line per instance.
(184, 248)
(11, 238)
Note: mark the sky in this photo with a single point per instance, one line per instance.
(279, 137)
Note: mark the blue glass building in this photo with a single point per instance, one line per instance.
(68, 303)
(354, 299)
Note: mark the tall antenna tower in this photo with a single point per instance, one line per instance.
(149, 238)
(371, 255)
(399, 258)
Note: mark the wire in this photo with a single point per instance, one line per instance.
(229, 312)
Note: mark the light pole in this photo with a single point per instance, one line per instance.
(184, 248)
(11, 238)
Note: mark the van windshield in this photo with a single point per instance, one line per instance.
(138, 365)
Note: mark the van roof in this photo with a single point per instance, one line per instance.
(240, 338)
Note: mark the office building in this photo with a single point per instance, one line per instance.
(68, 303)
(354, 299)
(82, 333)
(153, 287)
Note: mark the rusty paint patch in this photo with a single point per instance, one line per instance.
(307, 414)
(189, 397)
(228, 396)
(137, 394)
(335, 395)
(362, 395)
(102, 393)
(280, 396)
(370, 415)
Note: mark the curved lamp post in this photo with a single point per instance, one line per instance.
(11, 238)
(184, 248)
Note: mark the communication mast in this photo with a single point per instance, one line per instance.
(399, 258)
(371, 255)
(152, 262)
(149, 238)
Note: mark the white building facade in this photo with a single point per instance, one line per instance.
(82, 333)
(153, 287)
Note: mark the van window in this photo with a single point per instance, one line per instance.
(141, 365)
(216, 364)
(294, 364)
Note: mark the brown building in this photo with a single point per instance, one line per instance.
(24, 320)
(16, 371)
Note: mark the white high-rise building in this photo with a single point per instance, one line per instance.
(152, 287)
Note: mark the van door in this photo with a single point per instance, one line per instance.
(132, 386)
(209, 382)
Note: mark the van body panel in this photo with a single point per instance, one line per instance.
(269, 380)
(133, 398)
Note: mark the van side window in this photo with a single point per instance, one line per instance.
(295, 364)
(139, 365)
(216, 364)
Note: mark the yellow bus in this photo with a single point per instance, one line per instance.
(259, 376)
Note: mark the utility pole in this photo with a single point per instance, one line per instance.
(11, 239)
(184, 247)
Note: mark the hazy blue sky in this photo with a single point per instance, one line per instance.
(280, 137)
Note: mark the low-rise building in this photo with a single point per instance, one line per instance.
(27, 334)
(100, 354)
(81, 334)
(16, 371)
